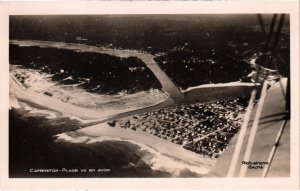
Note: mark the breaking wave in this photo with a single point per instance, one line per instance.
(152, 157)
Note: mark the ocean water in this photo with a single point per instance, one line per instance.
(153, 33)
(33, 147)
(191, 49)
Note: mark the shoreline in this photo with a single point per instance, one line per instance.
(176, 97)
(167, 84)
(53, 104)
(169, 152)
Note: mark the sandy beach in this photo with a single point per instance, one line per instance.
(166, 156)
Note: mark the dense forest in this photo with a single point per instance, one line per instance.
(99, 73)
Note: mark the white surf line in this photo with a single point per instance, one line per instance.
(148, 59)
(161, 145)
(85, 114)
(53, 104)
(175, 95)
(157, 160)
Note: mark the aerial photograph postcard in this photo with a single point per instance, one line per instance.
(200, 95)
(162, 96)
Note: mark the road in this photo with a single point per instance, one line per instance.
(171, 153)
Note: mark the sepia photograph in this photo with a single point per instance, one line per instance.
(199, 95)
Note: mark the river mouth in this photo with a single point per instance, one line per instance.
(57, 83)
(41, 83)
(129, 96)
(89, 80)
